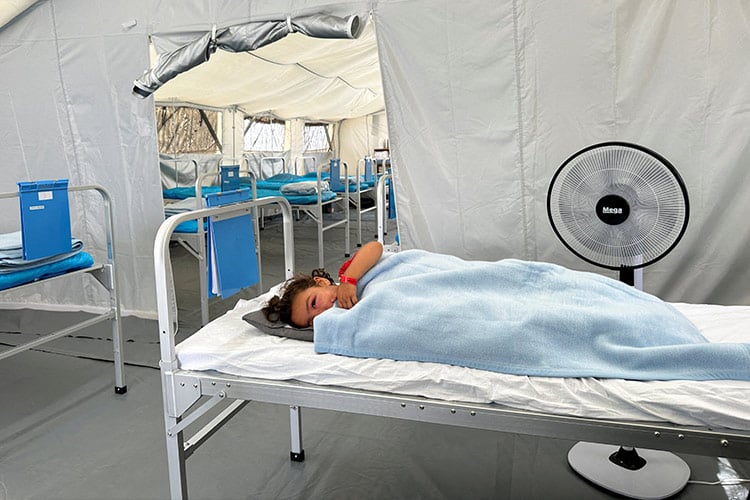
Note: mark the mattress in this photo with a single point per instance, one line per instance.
(232, 346)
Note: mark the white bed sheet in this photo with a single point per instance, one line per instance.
(232, 346)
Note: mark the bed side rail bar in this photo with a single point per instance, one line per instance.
(381, 206)
(682, 439)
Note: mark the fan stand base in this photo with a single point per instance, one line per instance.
(663, 474)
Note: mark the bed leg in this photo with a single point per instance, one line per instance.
(176, 462)
(295, 418)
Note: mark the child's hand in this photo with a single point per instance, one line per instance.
(346, 295)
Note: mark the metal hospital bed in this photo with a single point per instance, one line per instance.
(316, 205)
(353, 188)
(191, 389)
(105, 274)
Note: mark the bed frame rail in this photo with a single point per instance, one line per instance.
(488, 416)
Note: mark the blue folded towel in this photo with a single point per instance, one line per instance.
(522, 318)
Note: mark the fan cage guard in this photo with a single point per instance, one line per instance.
(653, 213)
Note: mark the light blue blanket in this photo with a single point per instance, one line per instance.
(521, 318)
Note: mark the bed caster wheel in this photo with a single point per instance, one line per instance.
(297, 457)
(121, 390)
(347, 255)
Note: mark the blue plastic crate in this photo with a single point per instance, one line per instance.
(45, 218)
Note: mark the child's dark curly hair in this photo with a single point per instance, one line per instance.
(322, 273)
(279, 308)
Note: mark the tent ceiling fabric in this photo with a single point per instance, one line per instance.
(9, 9)
(295, 77)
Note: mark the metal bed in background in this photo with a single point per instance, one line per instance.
(190, 394)
(316, 213)
(361, 183)
(320, 207)
(105, 273)
(194, 238)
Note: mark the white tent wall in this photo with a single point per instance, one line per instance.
(67, 70)
(486, 99)
(359, 137)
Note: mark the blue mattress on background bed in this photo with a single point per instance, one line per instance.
(298, 199)
(181, 193)
(15, 270)
(191, 226)
(79, 260)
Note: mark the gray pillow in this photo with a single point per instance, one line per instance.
(278, 328)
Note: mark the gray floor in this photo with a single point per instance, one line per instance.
(64, 434)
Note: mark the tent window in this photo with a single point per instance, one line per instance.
(317, 138)
(187, 130)
(264, 134)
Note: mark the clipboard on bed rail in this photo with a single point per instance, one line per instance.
(232, 259)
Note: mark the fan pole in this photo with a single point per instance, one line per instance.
(627, 275)
(632, 276)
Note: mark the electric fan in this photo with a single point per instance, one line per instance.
(621, 206)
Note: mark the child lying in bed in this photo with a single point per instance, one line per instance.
(509, 316)
(307, 296)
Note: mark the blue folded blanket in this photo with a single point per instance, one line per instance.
(522, 318)
(11, 254)
(297, 199)
(278, 180)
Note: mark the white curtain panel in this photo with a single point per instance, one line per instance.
(485, 101)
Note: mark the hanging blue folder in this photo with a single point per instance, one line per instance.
(335, 175)
(230, 177)
(368, 170)
(391, 199)
(232, 259)
(45, 218)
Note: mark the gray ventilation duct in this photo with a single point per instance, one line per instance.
(240, 38)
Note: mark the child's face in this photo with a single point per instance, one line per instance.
(313, 301)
